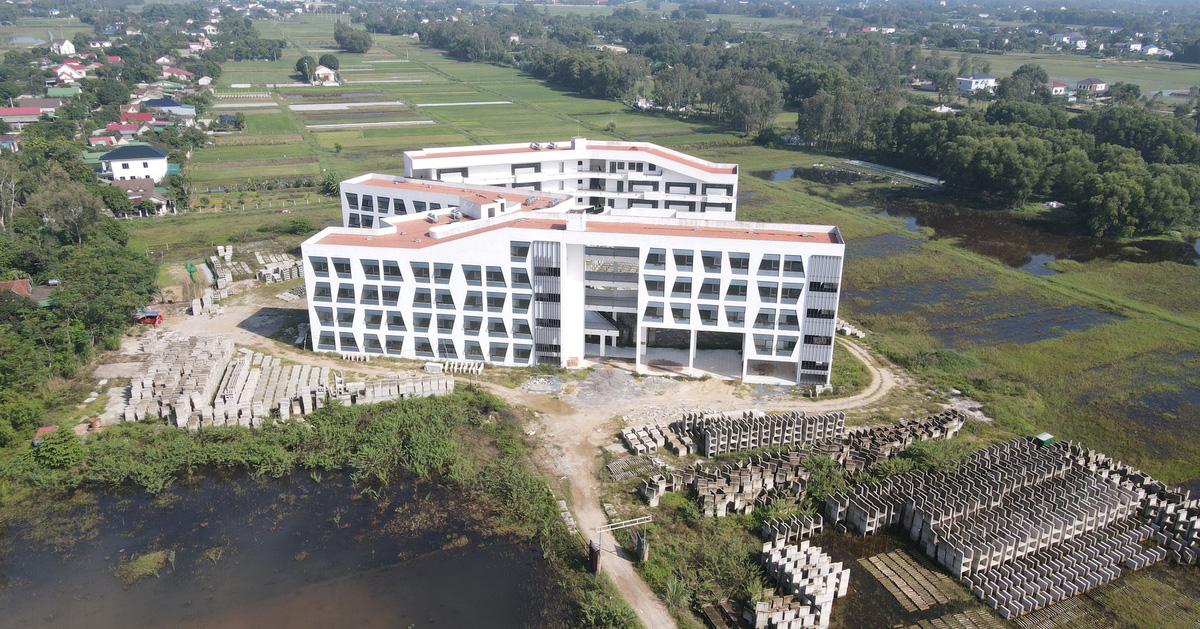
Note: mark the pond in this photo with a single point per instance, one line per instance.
(829, 176)
(297, 552)
(25, 39)
(1026, 243)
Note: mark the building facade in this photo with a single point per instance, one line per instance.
(134, 162)
(514, 277)
(624, 178)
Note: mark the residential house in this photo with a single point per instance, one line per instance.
(138, 190)
(126, 130)
(1074, 40)
(179, 73)
(70, 71)
(134, 162)
(62, 47)
(47, 105)
(102, 141)
(22, 287)
(976, 82)
(136, 118)
(131, 31)
(204, 81)
(1131, 46)
(210, 30)
(18, 117)
(186, 113)
(164, 60)
(1058, 88)
(100, 43)
(1091, 86)
(10, 143)
(324, 76)
(62, 92)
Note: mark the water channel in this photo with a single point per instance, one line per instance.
(256, 553)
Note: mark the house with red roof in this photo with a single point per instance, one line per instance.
(176, 72)
(18, 117)
(70, 71)
(134, 118)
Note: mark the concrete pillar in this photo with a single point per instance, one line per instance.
(691, 352)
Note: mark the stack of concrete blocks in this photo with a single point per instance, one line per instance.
(401, 386)
(810, 580)
(846, 328)
(278, 267)
(792, 529)
(465, 367)
(725, 433)
(643, 439)
(179, 379)
(739, 487)
(864, 447)
(220, 266)
(1065, 570)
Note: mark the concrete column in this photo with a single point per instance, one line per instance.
(639, 344)
(692, 353)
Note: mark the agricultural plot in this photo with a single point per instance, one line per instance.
(1151, 75)
(268, 124)
(30, 32)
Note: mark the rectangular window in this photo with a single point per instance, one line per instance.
(444, 299)
(682, 288)
(370, 295)
(474, 301)
(496, 327)
(765, 319)
(736, 291)
(472, 350)
(656, 260)
(347, 341)
(655, 285)
(471, 325)
(391, 271)
(320, 266)
(446, 349)
(495, 277)
(421, 322)
(420, 271)
(326, 341)
(710, 289)
(352, 200)
(819, 313)
(322, 292)
(391, 295)
(394, 344)
(653, 312)
(399, 207)
(548, 323)
(353, 220)
(552, 298)
(793, 266)
(341, 266)
(762, 344)
(424, 347)
(474, 275)
(735, 315)
(418, 206)
(681, 313)
(442, 273)
(371, 344)
(708, 314)
(445, 324)
(791, 293)
(345, 293)
(519, 251)
(383, 204)
(768, 291)
(521, 329)
(812, 339)
(711, 261)
(823, 287)
(495, 302)
(368, 221)
(422, 298)
(520, 278)
(739, 263)
(521, 303)
(810, 365)
(395, 320)
(769, 264)
(521, 354)
(371, 269)
(373, 318)
(683, 260)
(324, 316)
(785, 345)
(367, 204)
(498, 352)
(788, 320)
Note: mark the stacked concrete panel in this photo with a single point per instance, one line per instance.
(719, 434)
(644, 439)
(792, 529)
(810, 580)
(197, 381)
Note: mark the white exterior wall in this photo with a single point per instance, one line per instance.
(123, 169)
(492, 248)
(593, 173)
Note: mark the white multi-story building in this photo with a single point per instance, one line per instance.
(469, 272)
(627, 178)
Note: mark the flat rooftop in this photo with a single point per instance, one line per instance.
(477, 194)
(415, 233)
(519, 149)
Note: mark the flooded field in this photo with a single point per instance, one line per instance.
(251, 553)
(829, 176)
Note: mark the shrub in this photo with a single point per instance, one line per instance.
(59, 450)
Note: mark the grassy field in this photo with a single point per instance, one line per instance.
(37, 27)
(1150, 74)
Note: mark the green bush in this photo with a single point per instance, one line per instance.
(59, 450)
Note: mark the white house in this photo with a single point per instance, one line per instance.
(324, 76)
(134, 162)
(483, 273)
(100, 43)
(976, 82)
(62, 47)
(1091, 86)
(1058, 88)
(624, 178)
(70, 72)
